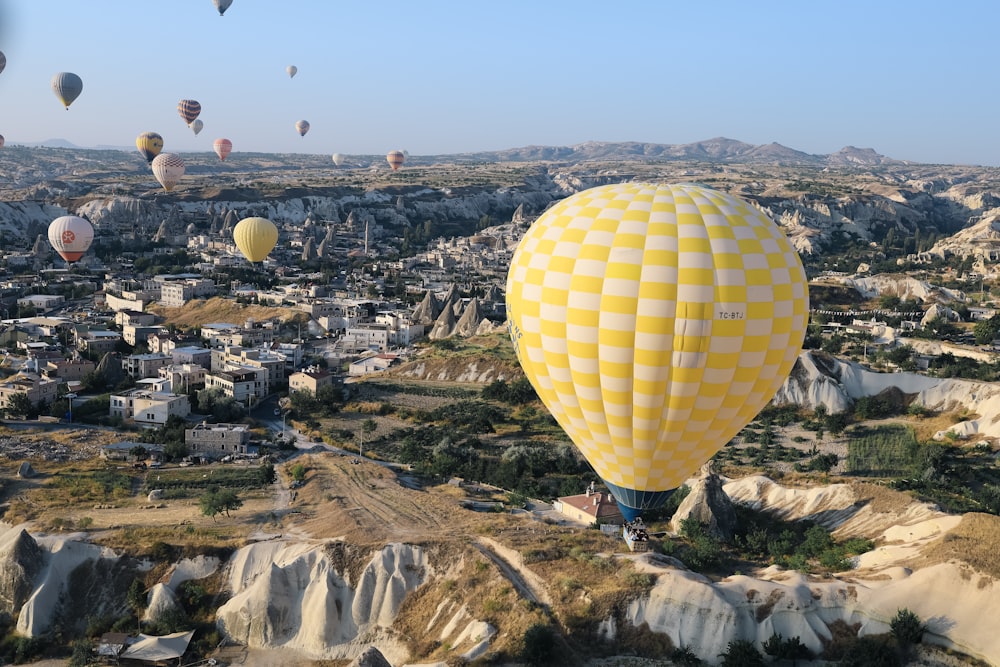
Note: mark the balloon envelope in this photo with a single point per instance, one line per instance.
(197, 126)
(302, 126)
(189, 110)
(292, 70)
(70, 236)
(1, 141)
(149, 144)
(338, 159)
(395, 159)
(654, 322)
(3, 61)
(67, 87)
(222, 148)
(222, 5)
(255, 237)
(168, 169)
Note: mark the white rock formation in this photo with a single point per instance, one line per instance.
(290, 595)
(819, 379)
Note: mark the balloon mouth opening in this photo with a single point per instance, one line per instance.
(632, 503)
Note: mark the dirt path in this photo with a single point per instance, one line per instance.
(362, 501)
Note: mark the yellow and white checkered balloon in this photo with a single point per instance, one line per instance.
(655, 321)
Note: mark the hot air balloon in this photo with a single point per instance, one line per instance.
(3, 61)
(67, 87)
(654, 322)
(1, 141)
(222, 148)
(189, 110)
(70, 236)
(222, 5)
(197, 126)
(168, 169)
(292, 70)
(338, 159)
(302, 126)
(395, 159)
(255, 237)
(149, 144)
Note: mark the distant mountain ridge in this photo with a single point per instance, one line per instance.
(719, 149)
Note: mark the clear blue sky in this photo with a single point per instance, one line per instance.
(914, 80)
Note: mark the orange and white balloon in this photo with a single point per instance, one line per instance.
(71, 236)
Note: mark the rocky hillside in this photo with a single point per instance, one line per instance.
(332, 599)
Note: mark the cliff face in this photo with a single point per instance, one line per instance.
(294, 596)
(20, 562)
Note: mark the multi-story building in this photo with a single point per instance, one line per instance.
(246, 385)
(39, 390)
(97, 341)
(68, 370)
(310, 379)
(149, 408)
(233, 356)
(139, 366)
(177, 293)
(215, 441)
(183, 377)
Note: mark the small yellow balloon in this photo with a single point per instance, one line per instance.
(255, 237)
(654, 322)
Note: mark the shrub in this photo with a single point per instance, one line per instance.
(741, 653)
(539, 645)
(907, 628)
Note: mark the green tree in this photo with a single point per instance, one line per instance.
(20, 406)
(219, 501)
(907, 628)
(539, 646)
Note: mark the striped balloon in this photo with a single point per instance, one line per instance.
(189, 110)
(222, 5)
(395, 159)
(654, 322)
(302, 127)
(3, 61)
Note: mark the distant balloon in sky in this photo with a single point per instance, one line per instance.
(222, 148)
(302, 126)
(67, 87)
(149, 144)
(654, 322)
(1, 141)
(189, 110)
(255, 237)
(168, 169)
(222, 5)
(395, 159)
(338, 159)
(292, 70)
(3, 61)
(71, 236)
(197, 125)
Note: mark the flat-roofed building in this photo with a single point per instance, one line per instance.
(139, 366)
(245, 385)
(148, 408)
(215, 441)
